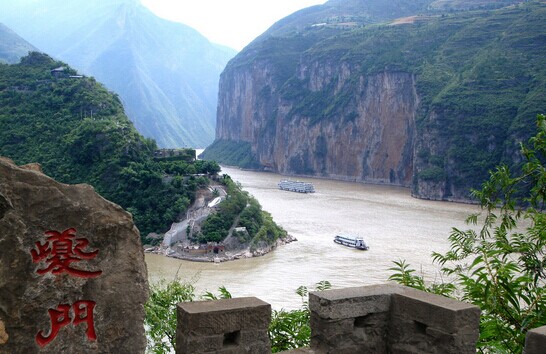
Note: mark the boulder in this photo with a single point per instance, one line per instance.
(73, 277)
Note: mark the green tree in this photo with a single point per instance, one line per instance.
(161, 311)
(499, 264)
(292, 329)
(287, 330)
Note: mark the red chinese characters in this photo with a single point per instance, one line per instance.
(60, 250)
(60, 317)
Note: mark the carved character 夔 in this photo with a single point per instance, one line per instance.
(60, 250)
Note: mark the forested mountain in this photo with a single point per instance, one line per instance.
(12, 46)
(424, 94)
(78, 132)
(165, 73)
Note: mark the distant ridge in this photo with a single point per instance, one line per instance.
(166, 73)
(12, 46)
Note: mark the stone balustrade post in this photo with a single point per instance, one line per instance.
(422, 322)
(391, 319)
(227, 326)
(535, 341)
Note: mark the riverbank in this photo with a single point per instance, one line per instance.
(223, 255)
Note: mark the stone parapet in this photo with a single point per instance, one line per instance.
(391, 319)
(535, 341)
(223, 326)
(439, 324)
(372, 319)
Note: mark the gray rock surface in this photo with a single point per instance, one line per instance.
(72, 277)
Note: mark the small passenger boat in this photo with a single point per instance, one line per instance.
(351, 241)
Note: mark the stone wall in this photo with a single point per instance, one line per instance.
(224, 326)
(370, 319)
(391, 319)
(535, 341)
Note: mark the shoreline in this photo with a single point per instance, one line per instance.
(339, 178)
(228, 255)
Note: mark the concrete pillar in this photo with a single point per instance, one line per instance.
(224, 326)
(391, 319)
(535, 341)
(427, 323)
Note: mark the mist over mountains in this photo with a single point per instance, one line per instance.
(166, 73)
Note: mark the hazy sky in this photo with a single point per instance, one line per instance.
(233, 23)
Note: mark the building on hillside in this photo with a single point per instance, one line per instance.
(59, 72)
(188, 155)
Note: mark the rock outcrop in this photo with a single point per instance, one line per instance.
(73, 277)
(179, 241)
(371, 140)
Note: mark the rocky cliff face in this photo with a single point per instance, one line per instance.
(432, 102)
(370, 140)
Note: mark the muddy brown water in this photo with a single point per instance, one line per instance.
(394, 225)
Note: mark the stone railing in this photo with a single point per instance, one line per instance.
(224, 326)
(535, 341)
(370, 319)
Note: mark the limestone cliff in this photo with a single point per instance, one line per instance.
(428, 102)
(370, 140)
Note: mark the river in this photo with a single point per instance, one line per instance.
(394, 225)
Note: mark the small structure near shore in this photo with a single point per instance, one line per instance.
(210, 248)
(215, 249)
(207, 254)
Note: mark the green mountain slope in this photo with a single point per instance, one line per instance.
(165, 73)
(79, 133)
(430, 101)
